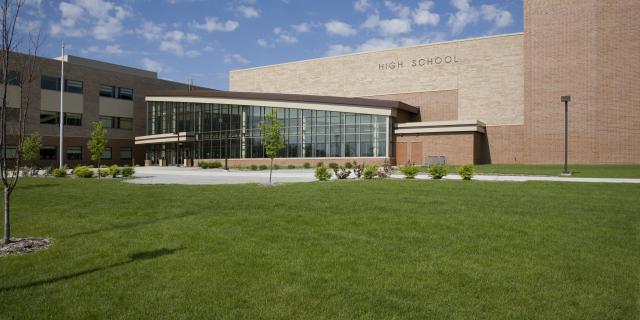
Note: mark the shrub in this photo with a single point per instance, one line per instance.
(103, 172)
(253, 167)
(114, 171)
(83, 172)
(409, 171)
(437, 171)
(319, 164)
(466, 171)
(342, 173)
(334, 166)
(203, 164)
(370, 171)
(215, 164)
(60, 172)
(127, 171)
(348, 165)
(276, 167)
(25, 171)
(306, 165)
(323, 173)
(263, 167)
(291, 166)
(357, 169)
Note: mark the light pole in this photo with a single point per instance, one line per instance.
(566, 99)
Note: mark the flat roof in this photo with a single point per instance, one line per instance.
(107, 66)
(361, 102)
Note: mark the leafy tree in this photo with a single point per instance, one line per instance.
(31, 146)
(98, 142)
(19, 69)
(272, 138)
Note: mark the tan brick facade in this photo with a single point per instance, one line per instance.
(588, 49)
(434, 105)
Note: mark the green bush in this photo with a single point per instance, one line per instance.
(263, 167)
(466, 171)
(103, 172)
(60, 172)
(323, 173)
(114, 171)
(348, 165)
(437, 171)
(370, 171)
(334, 166)
(276, 167)
(319, 164)
(253, 167)
(127, 171)
(83, 172)
(306, 165)
(409, 171)
(291, 166)
(215, 164)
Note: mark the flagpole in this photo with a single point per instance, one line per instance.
(61, 118)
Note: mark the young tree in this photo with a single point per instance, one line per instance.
(16, 69)
(31, 148)
(97, 143)
(272, 138)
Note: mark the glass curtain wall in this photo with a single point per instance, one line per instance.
(235, 130)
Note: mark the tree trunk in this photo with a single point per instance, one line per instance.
(98, 169)
(270, 171)
(7, 224)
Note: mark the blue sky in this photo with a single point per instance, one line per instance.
(202, 40)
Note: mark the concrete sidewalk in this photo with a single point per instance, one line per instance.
(197, 176)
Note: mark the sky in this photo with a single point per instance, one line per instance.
(202, 40)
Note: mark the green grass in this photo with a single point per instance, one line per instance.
(337, 250)
(579, 170)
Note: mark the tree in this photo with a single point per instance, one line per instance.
(31, 147)
(17, 69)
(272, 138)
(97, 143)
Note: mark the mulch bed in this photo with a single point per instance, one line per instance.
(18, 246)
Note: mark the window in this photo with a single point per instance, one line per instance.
(50, 83)
(13, 78)
(125, 153)
(106, 155)
(72, 119)
(74, 153)
(125, 93)
(125, 123)
(11, 152)
(107, 122)
(73, 86)
(48, 153)
(48, 117)
(107, 91)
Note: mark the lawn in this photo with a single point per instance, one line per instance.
(578, 170)
(388, 249)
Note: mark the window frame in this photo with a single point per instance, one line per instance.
(79, 148)
(130, 153)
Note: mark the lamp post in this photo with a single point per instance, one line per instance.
(566, 99)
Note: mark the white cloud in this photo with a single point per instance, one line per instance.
(468, 14)
(113, 49)
(173, 47)
(150, 30)
(101, 19)
(361, 5)
(285, 38)
(372, 22)
(235, 58)
(301, 28)
(375, 44)
(422, 14)
(401, 10)
(264, 43)
(395, 26)
(338, 49)
(339, 28)
(192, 53)
(212, 24)
(153, 65)
(248, 12)
(500, 18)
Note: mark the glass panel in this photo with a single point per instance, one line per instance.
(73, 119)
(50, 83)
(74, 153)
(125, 93)
(48, 153)
(106, 155)
(107, 122)
(47, 117)
(73, 86)
(107, 91)
(125, 153)
(125, 123)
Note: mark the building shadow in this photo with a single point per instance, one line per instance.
(144, 255)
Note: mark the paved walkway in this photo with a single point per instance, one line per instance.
(174, 175)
